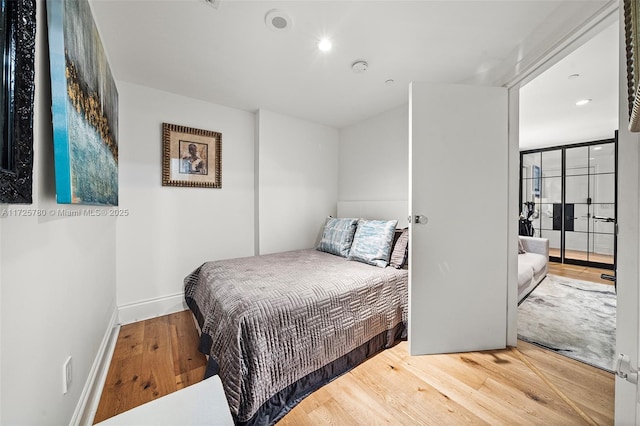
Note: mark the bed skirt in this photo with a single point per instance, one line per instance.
(284, 401)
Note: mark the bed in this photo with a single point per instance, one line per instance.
(277, 327)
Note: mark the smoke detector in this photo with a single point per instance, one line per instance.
(277, 20)
(359, 67)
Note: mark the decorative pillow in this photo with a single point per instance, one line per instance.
(520, 247)
(337, 236)
(400, 250)
(372, 242)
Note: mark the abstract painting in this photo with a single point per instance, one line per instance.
(84, 107)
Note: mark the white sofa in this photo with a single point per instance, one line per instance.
(533, 264)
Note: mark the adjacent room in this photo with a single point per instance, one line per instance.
(304, 212)
(568, 194)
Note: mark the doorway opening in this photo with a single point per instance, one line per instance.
(568, 177)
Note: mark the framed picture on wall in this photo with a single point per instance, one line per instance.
(536, 181)
(191, 157)
(18, 23)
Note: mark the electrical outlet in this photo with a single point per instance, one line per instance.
(66, 375)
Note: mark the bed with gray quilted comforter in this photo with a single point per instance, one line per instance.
(277, 327)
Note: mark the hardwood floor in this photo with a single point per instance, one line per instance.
(582, 255)
(580, 272)
(490, 387)
(152, 358)
(526, 385)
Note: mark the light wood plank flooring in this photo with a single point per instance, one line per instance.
(152, 358)
(583, 255)
(526, 385)
(578, 272)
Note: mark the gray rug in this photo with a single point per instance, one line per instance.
(573, 318)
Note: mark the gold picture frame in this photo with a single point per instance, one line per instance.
(191, 157)
(631, 23)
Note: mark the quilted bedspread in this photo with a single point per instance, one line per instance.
(268, 321)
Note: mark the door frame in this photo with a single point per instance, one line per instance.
(627, 405)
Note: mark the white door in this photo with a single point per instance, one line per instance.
(458, 183)
(627, 402)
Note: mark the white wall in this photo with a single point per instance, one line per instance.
(374, 158)
(297, 166)
(170, 231)
(58, 286)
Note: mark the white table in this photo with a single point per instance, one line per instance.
(201, 404)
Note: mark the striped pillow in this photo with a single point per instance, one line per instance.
(400, 250)
(372, 242)
(337, 236)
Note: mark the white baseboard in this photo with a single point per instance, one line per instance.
(88, 403)
(151, 308)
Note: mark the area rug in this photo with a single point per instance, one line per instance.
(573, 318)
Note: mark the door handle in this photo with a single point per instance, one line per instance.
(419, 219)
(604, 219)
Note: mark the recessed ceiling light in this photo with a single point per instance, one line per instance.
(324, 45)
(389, 81)
(277, 20)
(582, 102)
(597, 148)
(573, 76)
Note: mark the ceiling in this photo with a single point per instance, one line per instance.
(227, 55)
(549, 115)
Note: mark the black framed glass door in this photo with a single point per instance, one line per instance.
(590, 201)
(541, 183)
(574, 192)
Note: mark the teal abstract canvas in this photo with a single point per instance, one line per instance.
(84, 107)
